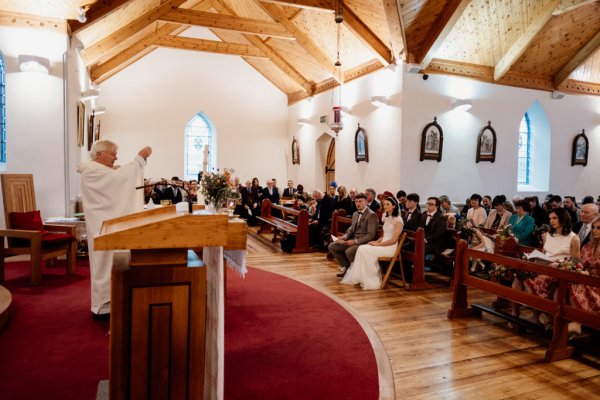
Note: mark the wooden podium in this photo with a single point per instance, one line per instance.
(166, 303)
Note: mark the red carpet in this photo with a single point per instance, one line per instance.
(283, 340)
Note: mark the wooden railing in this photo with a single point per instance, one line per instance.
(560, 311)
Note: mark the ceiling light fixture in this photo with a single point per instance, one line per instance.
(462, 104)
(379, 101)
(99, 110)
(28, 63)
(336, 93)
(81, 17)
(89, 94)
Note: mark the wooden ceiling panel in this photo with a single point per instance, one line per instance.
(480, 37)
(295, 54)
(372, 14)
(589, 71)
(275, 75)
(247, 9)
(418, 17)
(559, 41)
(322, 29)
(115, 21)
(62, 9)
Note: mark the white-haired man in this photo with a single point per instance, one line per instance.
(583, 227)
(107, 192)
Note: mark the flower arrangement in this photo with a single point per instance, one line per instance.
(505, 232)
(217, 187)
(572, 265)
(499, 272)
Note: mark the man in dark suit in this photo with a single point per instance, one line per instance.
(583, 227)
(245, 206)
(320, 219)
(372, 202)
(363, 230)
(271, 192)
(173, 192)
(290, 190)
(434, 224)
(412, 215)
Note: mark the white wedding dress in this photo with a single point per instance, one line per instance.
(365, 269)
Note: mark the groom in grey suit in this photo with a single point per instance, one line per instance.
(363, 230)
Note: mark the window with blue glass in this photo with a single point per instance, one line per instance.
(2, 111)
(524, 154)
(199, 135)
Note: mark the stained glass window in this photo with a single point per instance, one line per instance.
(198, 134)
(2, 111)
(524, 154)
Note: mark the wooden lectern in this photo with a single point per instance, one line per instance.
(164, 325)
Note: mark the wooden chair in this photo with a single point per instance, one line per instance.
(392, 261)
(52, 241)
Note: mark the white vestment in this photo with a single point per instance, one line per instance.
(106, 193)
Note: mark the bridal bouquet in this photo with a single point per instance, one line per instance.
(572, 265)
(217, 187)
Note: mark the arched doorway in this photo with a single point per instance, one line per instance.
(330, 164)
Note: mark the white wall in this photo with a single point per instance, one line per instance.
(150, 102)
(35, 115)
(382, 125)
(457, 174)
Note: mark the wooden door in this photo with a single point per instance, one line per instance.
(330, 164)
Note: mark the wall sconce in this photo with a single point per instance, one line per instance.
(89, 94)
(346, 110)
(303, 121)
(99, 110)
(28, 63)
(556, 95)
(462, 104)
(379, 101)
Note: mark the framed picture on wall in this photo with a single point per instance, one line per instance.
(295, 152)
(581, 147)
(361, 145)
(90, 132)
(80, 123)
(486, 144)
(432, 141)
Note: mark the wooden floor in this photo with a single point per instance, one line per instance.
(435, 358)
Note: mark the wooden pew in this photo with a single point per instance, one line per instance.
(340, 222)
(272, 224)
(561, 312)
(416, 255)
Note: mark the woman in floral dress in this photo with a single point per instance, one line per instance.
(588, 297)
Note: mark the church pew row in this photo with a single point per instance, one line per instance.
(292, 222)
(559, 310)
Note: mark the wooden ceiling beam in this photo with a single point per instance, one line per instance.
(570, 5)
(227, 22)
(581, 57)
(17, 20)
(274, 57)
(440, 30)
(520, 45)
(105, 70)
(96, 50)
(97, 12)
(322, 5)
(366, 35)
(211, 46)
(302, 38)
(396, 29)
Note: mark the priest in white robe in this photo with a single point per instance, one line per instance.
(107, 191)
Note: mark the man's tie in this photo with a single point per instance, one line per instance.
(582, 232)
(409, 216)
(428, 219)
(359, 217)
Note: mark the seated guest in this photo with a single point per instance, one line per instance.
(271, 192)
(365, 269)
(434, 224)
(193, 191)
(412, 216)
(570, 205)
(149, 193)
(559, 243)
(585, 297)
(486, 203)
(320, 219)
(160, 190)
(372, 202)
(587, 200)
(523, 224)
(363, 230)
(174, 192)
(289, 191)
(478, 241)
(466, 207)
(344, 200)
(536, 211)
(332, 193)
(352, 194)
(476, 212)
(554, 202)
(498, 217)
(401, 197)
(510, 205)
(256, 192)
(446, 206)
(246, 204)
(583, 227)
(301, 195)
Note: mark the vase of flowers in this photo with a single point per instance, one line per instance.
(217, 187)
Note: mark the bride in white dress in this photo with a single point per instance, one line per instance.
(365, 269)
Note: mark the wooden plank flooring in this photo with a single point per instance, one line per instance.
(431, 356)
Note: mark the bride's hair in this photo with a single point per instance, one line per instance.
(396, 210)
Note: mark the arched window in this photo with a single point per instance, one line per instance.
(199, 135)
(524, 157)
(533, 152)
(2, 111)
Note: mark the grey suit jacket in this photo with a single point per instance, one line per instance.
(366, 230)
